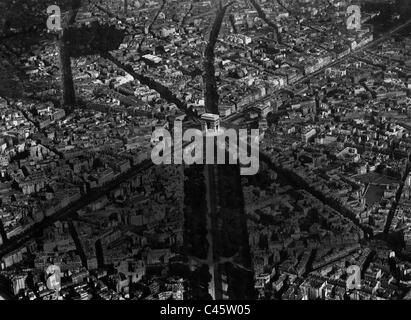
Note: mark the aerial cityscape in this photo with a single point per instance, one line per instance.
(205, 150)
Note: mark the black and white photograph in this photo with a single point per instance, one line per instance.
(205, 154)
